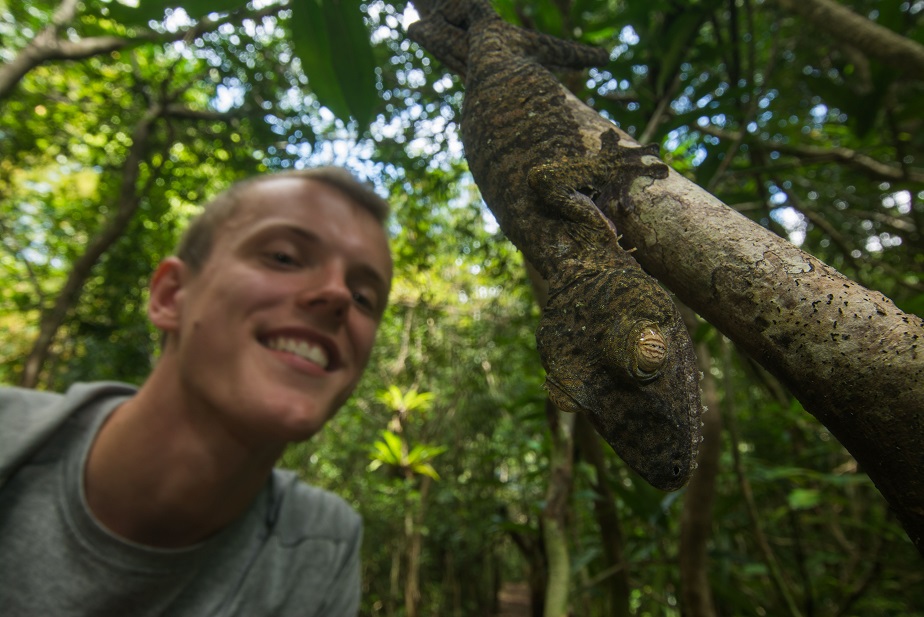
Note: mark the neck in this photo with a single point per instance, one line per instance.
(163, 472)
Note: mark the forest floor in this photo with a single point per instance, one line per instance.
(514, 600)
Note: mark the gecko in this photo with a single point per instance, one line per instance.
(612, 342)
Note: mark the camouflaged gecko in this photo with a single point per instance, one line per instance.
(613, 344)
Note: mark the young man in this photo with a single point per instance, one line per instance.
(164, 500)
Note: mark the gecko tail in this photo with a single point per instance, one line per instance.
(445, 23)
(446, 42)
(556, 54)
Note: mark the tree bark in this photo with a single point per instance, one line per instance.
(849, 355)
(902, 54)
(616, 585)
(854, 360)
(554, 515)
(413, 533)
(696, 519)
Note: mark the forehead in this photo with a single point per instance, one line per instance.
(309, 205)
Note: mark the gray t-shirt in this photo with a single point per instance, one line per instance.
(294, 552)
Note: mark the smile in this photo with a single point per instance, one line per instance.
(301, 348)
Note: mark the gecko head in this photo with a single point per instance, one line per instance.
(617, 350)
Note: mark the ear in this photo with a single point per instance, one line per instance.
(165, 304)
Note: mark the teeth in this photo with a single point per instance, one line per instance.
(302, 349)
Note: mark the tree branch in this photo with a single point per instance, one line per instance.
(47, 46)
(902, 54)
(814, 154)
(127, 203)
(803, 321)
(773, 565)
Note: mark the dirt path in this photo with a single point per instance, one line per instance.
(514, 600)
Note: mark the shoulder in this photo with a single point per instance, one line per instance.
(29, 417)
(15, 400)
(19, 400)
(307, 512)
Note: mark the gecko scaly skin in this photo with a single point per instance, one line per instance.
(611, 340)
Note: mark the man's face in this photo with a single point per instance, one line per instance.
(276, 329)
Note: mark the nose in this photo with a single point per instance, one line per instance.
(325, 293)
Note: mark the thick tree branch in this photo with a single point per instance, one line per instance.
(836, 154)
(47, 46)
(852, 358)
(902, 54)
(126, 205)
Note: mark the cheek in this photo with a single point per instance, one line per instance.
(231, 296)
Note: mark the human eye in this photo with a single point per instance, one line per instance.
(282, 254)
(282, 258)
(366, 300)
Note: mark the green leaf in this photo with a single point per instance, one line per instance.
(422, 453)
(390, 450)
(426, 470)
(804, 498)
(914, 304)
(332, 43)
(309, 36)
(399, 401)
(354, 64)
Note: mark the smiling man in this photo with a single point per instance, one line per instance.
(165, 500)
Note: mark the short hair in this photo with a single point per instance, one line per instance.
(196, 244)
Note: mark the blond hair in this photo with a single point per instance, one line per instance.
(196, 244)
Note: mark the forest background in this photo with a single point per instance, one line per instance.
(117, 122)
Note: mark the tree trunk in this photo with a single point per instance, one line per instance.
(413, 520)
(696, 519)
(554, 515)
(616, 583)
(561, 467)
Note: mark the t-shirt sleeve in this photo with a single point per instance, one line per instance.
(27, 419)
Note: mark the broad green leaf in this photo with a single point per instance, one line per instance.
(422, 453)
(333, 45)
(310, 38)
(155, 10)
(399, 401)
(395, 443)
(353, 62)
(426, 470)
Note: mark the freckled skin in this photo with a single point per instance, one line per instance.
(539, 169)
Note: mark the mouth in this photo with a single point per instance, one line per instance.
(318, 353)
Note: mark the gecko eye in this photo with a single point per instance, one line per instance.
(648, 352)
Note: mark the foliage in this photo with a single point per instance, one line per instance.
(815, 139)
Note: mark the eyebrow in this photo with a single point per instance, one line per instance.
(367, 269)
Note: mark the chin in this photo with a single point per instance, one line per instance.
(295, 422)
